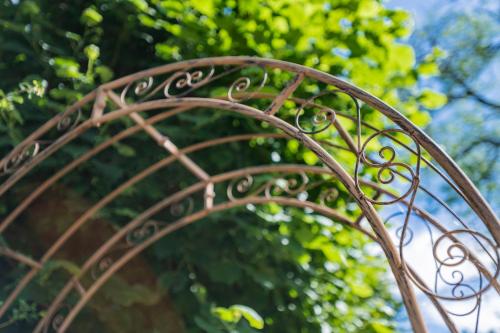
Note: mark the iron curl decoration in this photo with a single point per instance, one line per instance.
(242, 84)
(69, 121)
(143, 232)
(182, 207)
(450, 253)
(186, 81)
(408, 235)
(22, 157)
(328, 195)
(399, 230)
(326, 116)
(286, 186)
(55, 321)
(387, 166)
(101, 266)
(141, 88)
(139, 234)
(242, 187)
(454, 260)
(454, 286)
(457, 289)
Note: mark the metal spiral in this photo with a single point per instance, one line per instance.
(243, 84)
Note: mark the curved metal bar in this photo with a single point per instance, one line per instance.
(187, 77)
(80, 160)
(390, 250)
(477, 202)
(115, 193)
(474, 198)
(105, 248)
(19, 257)
(4, 224)
(428, 217)
(367, 125)
(125, 133)
(171, 228)
(82, 220)
(185, 193)
(24, 169)
(33, 195)
(47, 127)
(178, 196)
(163, 116)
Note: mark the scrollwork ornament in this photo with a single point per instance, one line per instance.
(140, 234)
(69, 121)
(328, 195)
(450, 253)
(325, 117)
(20, 158)
(141, 88)
(182, 208)
(288, 186)
(186, 81)
(386, 172)
(183, 81)
(242, 85)
(101, 266)
(408, 235)
(241, 185)
(54, 322)
(458, 288)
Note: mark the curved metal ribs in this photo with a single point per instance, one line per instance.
(388, 178)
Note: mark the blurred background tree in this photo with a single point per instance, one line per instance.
(298, 275)
(464, 35)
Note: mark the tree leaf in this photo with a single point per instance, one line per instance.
(253, 318)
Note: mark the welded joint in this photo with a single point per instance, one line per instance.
(78, 286)
(285, 93)
(209, 195)
(98, 108)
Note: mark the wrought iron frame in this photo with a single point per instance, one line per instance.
(134, 95)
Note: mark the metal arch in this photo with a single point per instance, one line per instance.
(191, 75)
(472, 195)
(377, 224)
(84, 218)
(139, 176)
(141, 224)
(478, 203)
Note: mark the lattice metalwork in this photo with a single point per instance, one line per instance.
(463, 256)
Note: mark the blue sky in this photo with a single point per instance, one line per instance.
(421, 11)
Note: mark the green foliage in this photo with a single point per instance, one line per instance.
(235, 313)
(91, 17)
(432, 100)
(22, 312)
(8, 101)
(294, 274)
